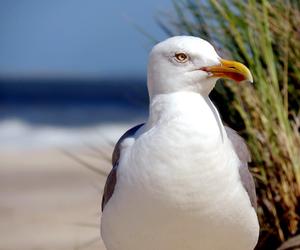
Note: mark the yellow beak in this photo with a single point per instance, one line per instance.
(230, 70)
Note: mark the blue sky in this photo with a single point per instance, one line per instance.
(77, 37)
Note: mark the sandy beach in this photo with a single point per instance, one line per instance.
(49, 200)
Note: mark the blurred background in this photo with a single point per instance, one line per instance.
(64, 62)
(73, 79)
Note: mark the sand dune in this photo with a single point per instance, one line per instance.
(50, 201)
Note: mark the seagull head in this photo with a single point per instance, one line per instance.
(186, 63)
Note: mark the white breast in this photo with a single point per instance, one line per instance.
(178, 186)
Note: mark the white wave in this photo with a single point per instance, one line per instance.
(17, 134)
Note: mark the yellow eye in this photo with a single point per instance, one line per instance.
(181, 57)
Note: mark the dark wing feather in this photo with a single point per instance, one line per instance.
(243, 153)
(112, 177)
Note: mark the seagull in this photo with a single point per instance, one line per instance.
(180, 181)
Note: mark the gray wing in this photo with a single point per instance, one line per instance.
(112, 176)
(243, 153)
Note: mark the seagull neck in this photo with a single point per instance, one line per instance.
(186, 106)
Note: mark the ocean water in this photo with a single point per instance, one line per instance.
(38, 113)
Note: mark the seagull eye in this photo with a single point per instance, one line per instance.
(181, 57)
